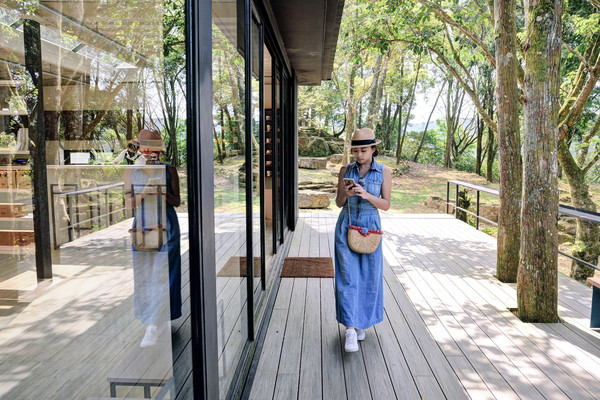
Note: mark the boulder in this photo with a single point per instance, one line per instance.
(334, 147)
(401, 168)
(316, 147)
(336, 158)
(489, 211)
(312, 163)
(437, 203)
(313, 199)
(567, 226)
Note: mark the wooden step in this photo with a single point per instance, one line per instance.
(22, 237)
(14, 210)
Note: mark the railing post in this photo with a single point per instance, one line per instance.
(456, 204)
(447, 197)
(477, 210)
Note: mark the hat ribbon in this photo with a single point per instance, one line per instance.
(363, 142)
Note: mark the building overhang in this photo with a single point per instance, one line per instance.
(309, 30)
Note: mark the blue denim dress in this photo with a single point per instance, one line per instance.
(359, 277)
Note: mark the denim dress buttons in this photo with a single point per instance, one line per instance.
(359, 277)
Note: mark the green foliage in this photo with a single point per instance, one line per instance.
(7, 141)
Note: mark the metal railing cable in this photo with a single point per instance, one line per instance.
(574, 212)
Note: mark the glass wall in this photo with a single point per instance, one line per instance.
(93, 199)
(231, 161)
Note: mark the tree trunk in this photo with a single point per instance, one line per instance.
(387, 140)
(491, 155)
(416, 157)
(537, 283)
(411, 101)
(586, 237)
(218, 145)
(479, 150)
(373, 105)
(381, 84)
(509, 142)
(449, 132)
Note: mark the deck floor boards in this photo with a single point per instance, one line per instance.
(448, 332)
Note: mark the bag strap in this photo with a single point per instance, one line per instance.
(346, 175)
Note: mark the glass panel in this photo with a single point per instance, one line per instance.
(230, 189)
(269, 162)
(257, 145)
(93, 197)
(279, 154)
(284, 151)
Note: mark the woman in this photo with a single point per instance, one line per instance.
(359, 277)
(131, 154)
(156, 265)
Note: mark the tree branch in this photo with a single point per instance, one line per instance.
(595, 3)
(591, 163)
(466, 31)
(579, 104)
(578, 55)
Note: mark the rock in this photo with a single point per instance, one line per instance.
(567, 226)
(334, 147)
(313, 199)
(317, 147)
(312, 163)
(401, 168)
(316, 186)
(437, 203)
(565, 199)
(336, 158)
(489, 211)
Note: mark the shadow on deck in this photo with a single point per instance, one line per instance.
(447, 331)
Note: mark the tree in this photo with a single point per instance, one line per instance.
(537, 282)
(580, 128)
(509, 141)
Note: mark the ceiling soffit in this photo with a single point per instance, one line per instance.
(309, 29)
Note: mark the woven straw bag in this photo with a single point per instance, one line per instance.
(363, 243)
(362, 240)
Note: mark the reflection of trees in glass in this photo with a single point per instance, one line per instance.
(228, 96)
(110, 69)
(173, 83)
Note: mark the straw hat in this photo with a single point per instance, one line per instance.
(363, 137)
(151, 140)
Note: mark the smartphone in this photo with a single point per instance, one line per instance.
(349, 182)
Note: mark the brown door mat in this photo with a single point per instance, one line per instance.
(307, 267)
(236, 266)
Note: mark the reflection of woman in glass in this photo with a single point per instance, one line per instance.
(156, 265)
(131, 154)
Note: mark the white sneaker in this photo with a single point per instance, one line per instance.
(360, 334)
(351, 342)
(151, 336)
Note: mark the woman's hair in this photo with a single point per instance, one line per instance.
(376, 152)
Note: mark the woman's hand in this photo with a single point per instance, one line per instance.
(350, 190)
(360, 191)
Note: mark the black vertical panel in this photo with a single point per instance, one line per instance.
(275, 136)
(41, 212)
(201, 201)
(293, 204)
(249, 181)
(261, 101)
(282, 159)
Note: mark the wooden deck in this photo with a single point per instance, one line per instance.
(448, 332)
(87, 311)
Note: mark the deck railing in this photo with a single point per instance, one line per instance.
(71, 196)
(562, 209)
